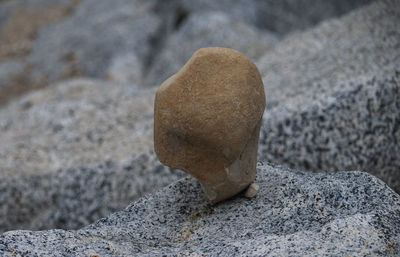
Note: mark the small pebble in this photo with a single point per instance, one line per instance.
(252, 190)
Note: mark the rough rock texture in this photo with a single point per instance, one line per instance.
(75, 123)
(71, 198)
(88, 40)
(355, 126)
(122, 40)
(295, 213)
(207, 30)
(84, 123)
(280, 17)
(207, 120)
(50, 142)
(364, 43)
(333, 96)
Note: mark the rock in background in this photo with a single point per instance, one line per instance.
(78, 122)
(208, 29)
(20, 23)
(64, 39)
(331, 95)
(355, 126)
(75, 152)
(71, 198)
(280, 17)
(86, 42)
(294, 213)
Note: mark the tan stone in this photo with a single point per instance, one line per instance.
(207, 120)
(252, 190)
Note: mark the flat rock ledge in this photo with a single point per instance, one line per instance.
(294, 213)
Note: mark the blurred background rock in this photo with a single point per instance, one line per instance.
(77, 81)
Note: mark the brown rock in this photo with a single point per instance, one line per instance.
(207, 119)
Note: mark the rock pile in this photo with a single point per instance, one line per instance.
(51, 40)
(78, 150)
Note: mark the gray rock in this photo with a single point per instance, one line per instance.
(51, 138)
(125, 69)
(74, 123)
(294, 213)
(364, 43)
(206, 30)
(281, 17)
(5, 12)
(71, 198)
(333, 96)
(94, 38)
(355, 126)
(20, 21)
(78, 125)
(190, 25)
(9, 70)
(86, 42)
(7, 8)
(34, 4)
(286, 16)
(54, 145)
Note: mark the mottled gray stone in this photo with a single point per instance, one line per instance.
(207, 30)
(280, 17)
(8, 7)
(50, 139)
(125, 69)
(87, 41)
(71, 198)
(294, 213)
(9, 70)
(91, 40)
(333, 96)
(74, 123)
(364, 43)
(355, 126)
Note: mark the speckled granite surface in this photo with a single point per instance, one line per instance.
(333, 95)
(356, 126)
(295, 213)
(74, 197)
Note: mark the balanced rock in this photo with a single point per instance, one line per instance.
(207, 120)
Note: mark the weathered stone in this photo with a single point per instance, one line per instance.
(207, 29)
(9, 70)
(54, 146)
(333, 96)
(87, 42)
(70, 198)
(55, 136)
(207, 120)
(294, 214)
(281, 17)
